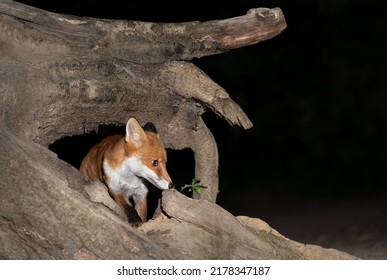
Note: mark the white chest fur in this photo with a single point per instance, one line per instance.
(125, 179)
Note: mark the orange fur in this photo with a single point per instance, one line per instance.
(125, 164)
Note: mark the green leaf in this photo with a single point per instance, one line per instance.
(194, 187)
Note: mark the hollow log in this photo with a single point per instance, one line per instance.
(48, 211)
(63, 75)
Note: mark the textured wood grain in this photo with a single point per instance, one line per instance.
(91, 72)
(141, 42)
(62, 75)
(50, 211)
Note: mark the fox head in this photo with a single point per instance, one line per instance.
(147, 153)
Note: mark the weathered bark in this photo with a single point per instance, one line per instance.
(141, 42)
(48, 211)
(62, 75)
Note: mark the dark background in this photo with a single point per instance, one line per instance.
(317, 96)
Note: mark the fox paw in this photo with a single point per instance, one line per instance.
(136, 222)
(134, 219)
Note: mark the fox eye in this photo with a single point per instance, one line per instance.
(155, 162)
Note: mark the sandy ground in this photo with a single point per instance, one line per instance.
(356, 227)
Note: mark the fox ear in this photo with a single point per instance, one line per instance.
(134, 133)
(150, 127)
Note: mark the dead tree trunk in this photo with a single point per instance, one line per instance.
(62, 75)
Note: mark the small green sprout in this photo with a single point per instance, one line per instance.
(194, 187)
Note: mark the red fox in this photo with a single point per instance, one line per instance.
(126, 164)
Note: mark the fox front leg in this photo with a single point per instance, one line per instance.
(133, 217)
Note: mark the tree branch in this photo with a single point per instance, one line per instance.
(257, 25)
(141, 42)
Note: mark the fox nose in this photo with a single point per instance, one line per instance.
(171, 186)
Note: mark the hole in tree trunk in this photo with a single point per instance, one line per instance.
(72, 149)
